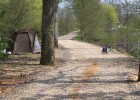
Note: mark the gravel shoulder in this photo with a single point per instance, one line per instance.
(84, 74)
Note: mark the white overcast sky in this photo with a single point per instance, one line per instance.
(62, 4)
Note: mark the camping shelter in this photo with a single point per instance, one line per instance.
(26, 41)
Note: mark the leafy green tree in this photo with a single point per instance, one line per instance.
(67, 22)
(17, 10)
(20, 14)
(110, 19)
(3, 43)
(33, 16)
(110, 16)
(88, 14)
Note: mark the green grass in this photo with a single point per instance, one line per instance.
(136, 54)
(78, 38)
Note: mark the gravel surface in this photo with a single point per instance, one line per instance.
(85, 74)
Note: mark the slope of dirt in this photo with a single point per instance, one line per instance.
(84, 74)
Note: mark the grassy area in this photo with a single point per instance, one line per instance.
(135, 54)
(78, 38)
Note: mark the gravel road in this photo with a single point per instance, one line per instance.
(85, 74)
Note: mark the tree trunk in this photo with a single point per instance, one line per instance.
(139, 62)
(56, 31)
(139, 72)
(47, 49)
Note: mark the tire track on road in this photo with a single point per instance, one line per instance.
(85, 76)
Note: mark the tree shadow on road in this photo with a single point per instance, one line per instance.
(120, 95)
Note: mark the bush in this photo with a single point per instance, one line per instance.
(78, 37)
(136, 54)
(3, 45)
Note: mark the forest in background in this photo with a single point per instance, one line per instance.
(108, 22)
(115, 23)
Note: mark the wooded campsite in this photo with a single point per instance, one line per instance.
(69, 49)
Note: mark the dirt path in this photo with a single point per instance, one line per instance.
(85, 74)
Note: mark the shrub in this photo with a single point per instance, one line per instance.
(78, 37)
(136, 53)
(3, 45)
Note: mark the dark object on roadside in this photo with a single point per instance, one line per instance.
(104, 49)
